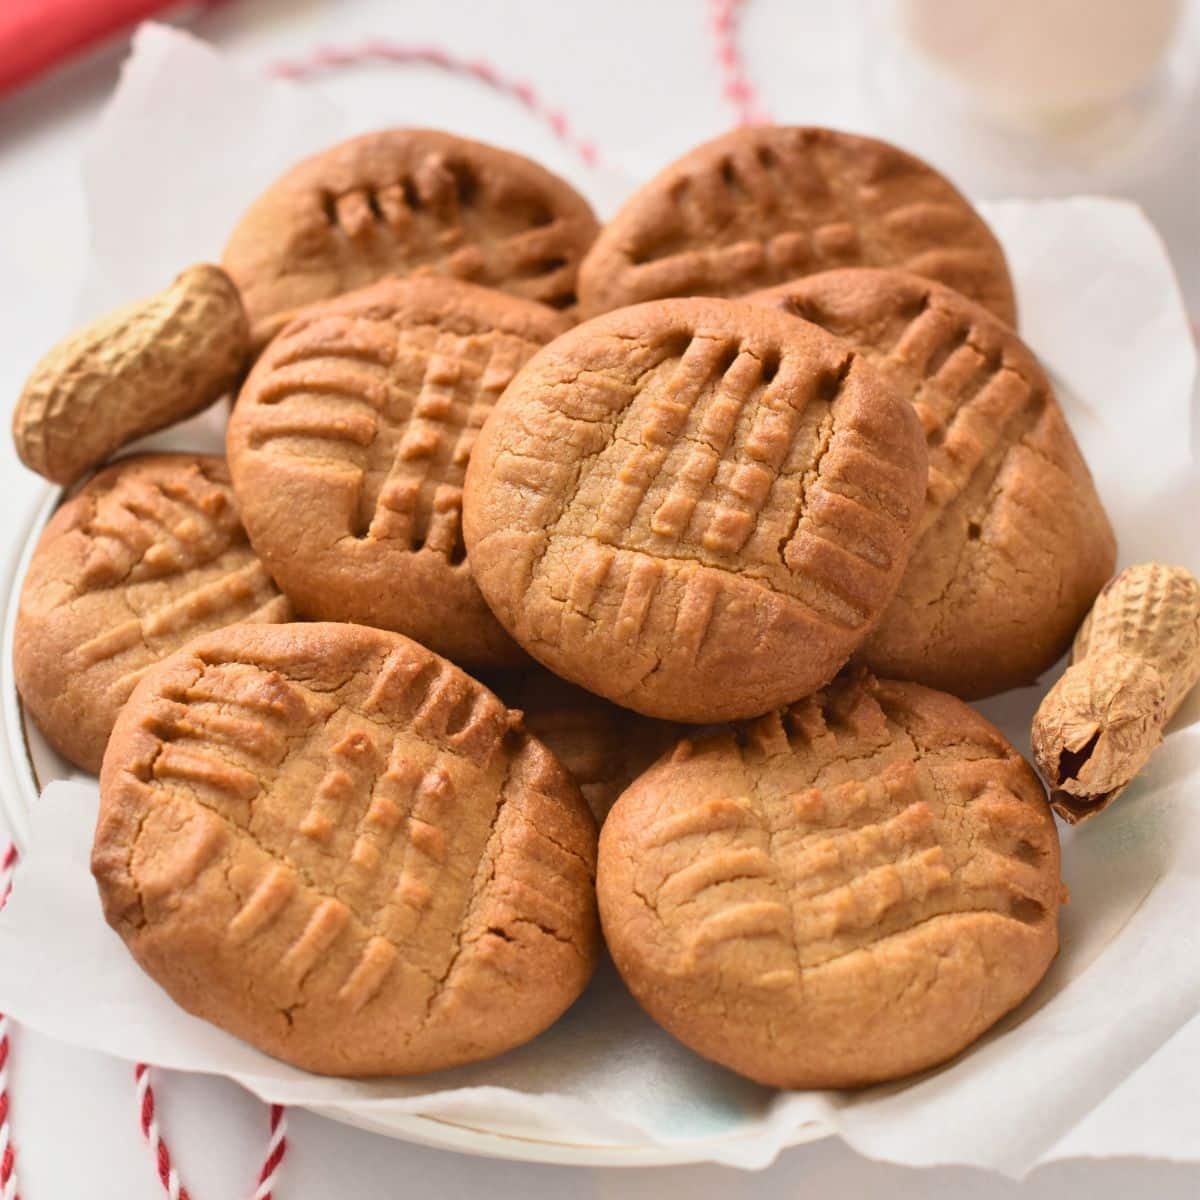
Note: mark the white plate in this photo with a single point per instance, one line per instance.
(28, 764)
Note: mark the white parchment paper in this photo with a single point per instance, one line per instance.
(186, 143)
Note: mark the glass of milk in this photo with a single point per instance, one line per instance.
(1042, 64)
(1038, 97)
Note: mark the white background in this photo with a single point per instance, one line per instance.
(638, 77)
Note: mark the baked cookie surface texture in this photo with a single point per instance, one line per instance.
(694, 509)
(839, 894)
(403, 202)
(335, 845)
(603, 746)
(1014, 543)
(765, 204)
(149, 553)
(349, 444)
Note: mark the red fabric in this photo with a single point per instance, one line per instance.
(36, 34)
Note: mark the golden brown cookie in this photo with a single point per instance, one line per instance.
(842, 893)
(693, 509)
(334, 844)
(764, 204)
(1014, 543)
(348, 446)
(131, 372)
(604, 747)
(146, 555)
(402, 201)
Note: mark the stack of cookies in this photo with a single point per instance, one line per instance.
(698, 528)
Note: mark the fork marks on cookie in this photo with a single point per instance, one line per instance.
(844, 863)
(447, 215)
(728, 459)
(163, 557)
(397, 407)
(765, 205)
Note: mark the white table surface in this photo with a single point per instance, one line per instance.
(638, 77)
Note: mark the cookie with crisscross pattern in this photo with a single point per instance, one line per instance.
(761, 205)
(149, 553)
(1014, 543)
(349, 444)
(337, 846)
(403, 202)
(696, 508)
(844, 892)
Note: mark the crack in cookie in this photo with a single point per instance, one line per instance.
(840, 893)
(339, 847)
(1014, 543)
(692, 509)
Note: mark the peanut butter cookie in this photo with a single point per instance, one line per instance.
(147, 555)
(348, 446)
(839, 894)
(762, 205)
(604, 747)
(693, 509)
(403, 201)
(334, 844)
(1014, 543)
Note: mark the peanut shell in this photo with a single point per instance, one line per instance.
(1136, 657)
(131, 372)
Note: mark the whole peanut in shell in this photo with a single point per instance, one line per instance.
(1136, 656)
(132, 371)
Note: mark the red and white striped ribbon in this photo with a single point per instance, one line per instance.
(168, 1176)
(8, 1154)
(724, 18)
(325, 58)
(276, 1149)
